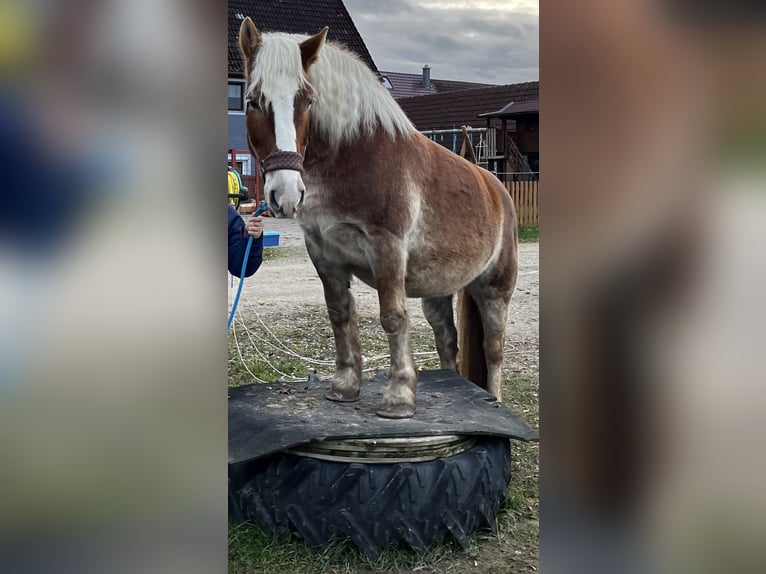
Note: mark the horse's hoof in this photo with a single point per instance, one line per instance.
(396, 412)
(341, 396)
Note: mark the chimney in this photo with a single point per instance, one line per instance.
(426, 76)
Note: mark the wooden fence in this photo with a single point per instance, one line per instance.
(524, 194)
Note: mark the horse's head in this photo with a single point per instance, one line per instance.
(279, 98)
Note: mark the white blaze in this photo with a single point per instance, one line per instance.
(284, 128)
(286, 183)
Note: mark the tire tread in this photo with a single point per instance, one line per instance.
(375, 505)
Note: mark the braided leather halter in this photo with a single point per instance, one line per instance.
(282, 160)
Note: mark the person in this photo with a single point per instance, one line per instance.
(239, 234)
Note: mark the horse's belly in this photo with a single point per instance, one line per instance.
(435, 278)
(415, 285)
(429, 273)
(342, 244)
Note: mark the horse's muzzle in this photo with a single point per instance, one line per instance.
(284, 191)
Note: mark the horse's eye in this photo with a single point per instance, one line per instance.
(254, 104)
(311, 101)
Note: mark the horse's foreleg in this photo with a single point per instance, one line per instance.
(348, 355)
(340, 307)
(399, 397)
(438, 313)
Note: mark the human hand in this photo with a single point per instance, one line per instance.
(254, 227)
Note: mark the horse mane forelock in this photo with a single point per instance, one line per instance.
(350, 101)
(277, 69)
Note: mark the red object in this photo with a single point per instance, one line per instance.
(257, 182)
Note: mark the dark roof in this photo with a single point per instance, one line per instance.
(455, 109)
(409, 85)
(515, 109)
(295, 17)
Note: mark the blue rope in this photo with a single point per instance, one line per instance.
(261, 208)
(241, 282)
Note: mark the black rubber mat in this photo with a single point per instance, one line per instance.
(267, 418)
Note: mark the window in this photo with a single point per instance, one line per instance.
(387, 83)
(235, 96)
(243, 162)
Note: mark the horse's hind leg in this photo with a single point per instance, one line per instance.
(493, 309)
(438, 312)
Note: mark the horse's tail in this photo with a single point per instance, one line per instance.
(471, 361)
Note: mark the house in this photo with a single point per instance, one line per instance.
(509, 134)
(508, 117)
(291, 16)
(403, 85)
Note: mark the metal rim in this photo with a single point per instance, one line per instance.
(385, 450)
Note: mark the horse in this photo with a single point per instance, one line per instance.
(379, 201)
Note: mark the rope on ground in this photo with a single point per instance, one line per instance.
(282, 347)
(241, 358)
(285, 376)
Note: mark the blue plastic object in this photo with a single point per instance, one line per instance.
(271, 238)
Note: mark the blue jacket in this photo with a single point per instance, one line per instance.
(238, 243)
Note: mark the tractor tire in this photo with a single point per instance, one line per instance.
(376, 505)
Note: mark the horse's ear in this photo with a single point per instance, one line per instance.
(249, 38)
(310, 48)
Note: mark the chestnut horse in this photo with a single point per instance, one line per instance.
(377, 200)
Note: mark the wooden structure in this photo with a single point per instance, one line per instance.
(521, 146)
(525, 197)
(509, 136)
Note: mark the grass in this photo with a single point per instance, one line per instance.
(513, 549)
(251, 550)
(529, 234)
(273, 253)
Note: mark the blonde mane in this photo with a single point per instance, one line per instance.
(350, 101)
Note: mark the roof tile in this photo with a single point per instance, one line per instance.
(295, 17)
(456, 109)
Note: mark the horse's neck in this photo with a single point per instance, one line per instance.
(318, 151)
(324, 158)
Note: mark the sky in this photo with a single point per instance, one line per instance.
(494, 42)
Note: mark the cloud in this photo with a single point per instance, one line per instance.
(493, 42)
